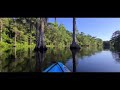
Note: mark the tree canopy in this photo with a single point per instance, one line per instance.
(115, 40)
(24, 29)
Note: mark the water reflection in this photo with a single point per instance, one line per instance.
(74, 56)
(15, 56)
(17, 60)
(89, 51)
(40, 56)
(26, 60)
(56, 55)
(81, 55)
(116, 56)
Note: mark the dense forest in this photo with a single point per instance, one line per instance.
(106, 44)
(115, 40)
(25, 32)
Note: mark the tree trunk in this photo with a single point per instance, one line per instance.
(9, 28)
(1, 30)
(74, 44)
(41, 35)
(20, 40)
(15, 58)
(74, 29)
(37, 34)
(29, 42)
(55, 20)
(40, 40)
(15, 40)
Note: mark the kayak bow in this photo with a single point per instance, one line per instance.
(57, 67)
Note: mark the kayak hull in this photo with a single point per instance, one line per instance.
(57, 67)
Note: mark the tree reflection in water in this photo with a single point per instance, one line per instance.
(15, 56)
(40, 56)
(116, 56)
(74, 57)
(25, 60)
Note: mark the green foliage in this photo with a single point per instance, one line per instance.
(19, 28)
(4, 45)
(87, 40)
(55, 35)
(115, 40)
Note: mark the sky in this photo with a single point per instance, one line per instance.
(97, 27)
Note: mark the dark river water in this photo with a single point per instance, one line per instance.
(85, 60)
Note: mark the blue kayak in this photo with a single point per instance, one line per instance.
(57, 67)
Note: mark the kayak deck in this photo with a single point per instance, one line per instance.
(57, 67)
